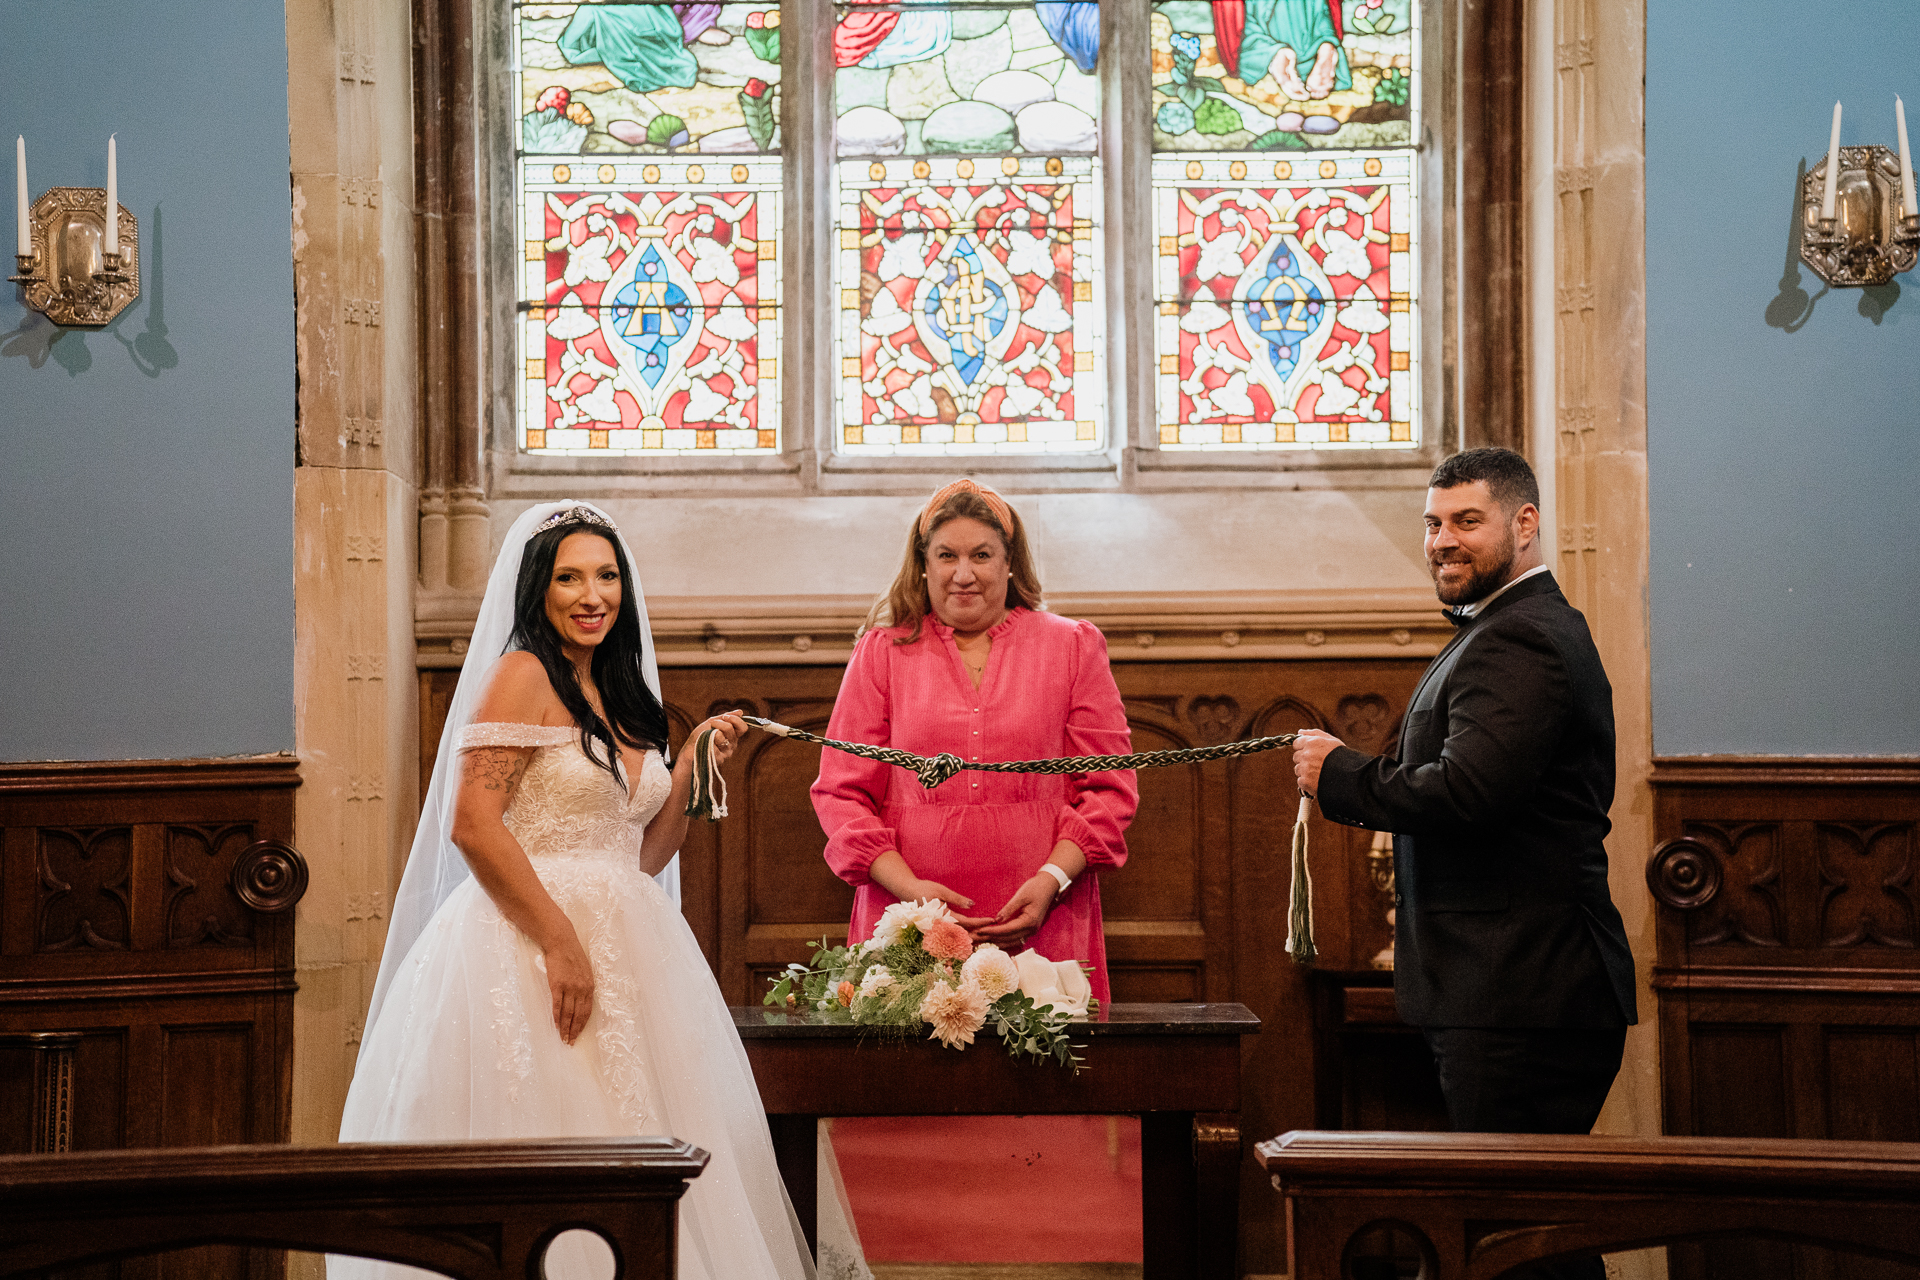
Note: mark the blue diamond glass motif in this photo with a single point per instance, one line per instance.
(1284, 307)
(966, 310)
(652, 313)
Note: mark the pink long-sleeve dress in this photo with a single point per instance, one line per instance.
(1046, 692)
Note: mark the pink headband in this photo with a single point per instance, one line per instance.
(995, 503)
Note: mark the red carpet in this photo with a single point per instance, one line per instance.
(993, 1188)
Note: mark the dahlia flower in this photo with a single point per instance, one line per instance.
(955, 1014)
(945, 940)
(992, 970)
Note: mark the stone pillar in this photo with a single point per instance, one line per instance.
(1597, 337)
(456, 548)
(354, 524)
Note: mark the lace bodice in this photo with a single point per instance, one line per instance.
(567, 806)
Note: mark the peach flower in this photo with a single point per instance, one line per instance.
(955, 1014)
(946, 940)
(845, 992)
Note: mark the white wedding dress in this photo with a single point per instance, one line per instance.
(464, 1045)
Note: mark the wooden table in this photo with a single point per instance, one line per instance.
(1176, 1066)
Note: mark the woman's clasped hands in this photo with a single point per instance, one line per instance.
(1017, 920)
(1024, 913)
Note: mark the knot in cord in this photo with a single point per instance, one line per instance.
(938, 769)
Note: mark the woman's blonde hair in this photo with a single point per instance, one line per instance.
(907, 603)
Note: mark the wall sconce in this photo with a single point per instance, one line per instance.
(78, 249)
(1858, 209)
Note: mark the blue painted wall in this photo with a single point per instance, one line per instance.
(146, 470)
(1783, 422)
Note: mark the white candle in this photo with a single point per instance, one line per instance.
(1833, 169)
(25, 237)
(1909, 198)
(113, 196)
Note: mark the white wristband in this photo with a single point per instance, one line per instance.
(1066, 881)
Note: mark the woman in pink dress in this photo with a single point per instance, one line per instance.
(960, 657)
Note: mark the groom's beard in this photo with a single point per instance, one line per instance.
(1489, 574)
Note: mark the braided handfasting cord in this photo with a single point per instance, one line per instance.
(709, 798)
(937, 769)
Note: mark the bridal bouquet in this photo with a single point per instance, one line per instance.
(920, 967)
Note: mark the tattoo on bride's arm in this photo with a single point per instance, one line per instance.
(494, 768)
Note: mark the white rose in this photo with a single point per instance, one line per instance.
(877, 981)
(1060, 984)
(992, 970)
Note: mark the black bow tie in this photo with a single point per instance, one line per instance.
(1458, 617)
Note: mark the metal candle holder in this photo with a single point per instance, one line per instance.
(69, 276)
(1869, 238)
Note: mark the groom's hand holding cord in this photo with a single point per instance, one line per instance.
(1310, 750)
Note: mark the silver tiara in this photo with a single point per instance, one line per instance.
(573, 515)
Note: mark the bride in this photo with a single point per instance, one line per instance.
(556, 991)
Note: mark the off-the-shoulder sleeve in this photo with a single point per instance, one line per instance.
(495, 733)
(850, 790)
(1099, 805)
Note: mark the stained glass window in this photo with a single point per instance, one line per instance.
(967, 320)
(1286, 220)
(986, 77)
(648, 199)
(969, 223)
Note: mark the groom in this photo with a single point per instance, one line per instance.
(1510, 956)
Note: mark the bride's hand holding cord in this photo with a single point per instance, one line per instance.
(668, 830)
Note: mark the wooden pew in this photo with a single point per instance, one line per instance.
(1470, 1206)
(475, 1210)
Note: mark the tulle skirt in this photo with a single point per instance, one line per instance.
(465, 1047)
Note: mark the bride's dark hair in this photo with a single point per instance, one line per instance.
(633, 713)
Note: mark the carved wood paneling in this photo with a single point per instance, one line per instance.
(1747, 909)
(84, 897)
(1787, 977)
(201, 908)
(121, 921)
(1866, 878)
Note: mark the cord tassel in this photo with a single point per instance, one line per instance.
(1300, 895)
(709, 797)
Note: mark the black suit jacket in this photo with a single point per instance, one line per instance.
(1498, 802)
